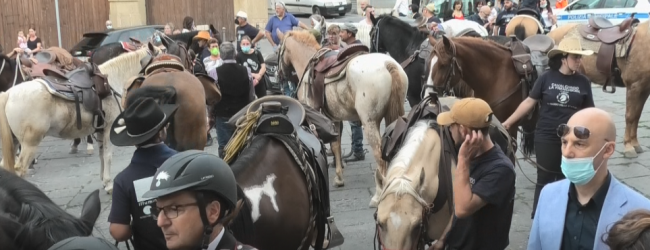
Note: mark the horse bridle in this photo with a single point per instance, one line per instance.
(18, 69)
(374, 38)
(448, 90)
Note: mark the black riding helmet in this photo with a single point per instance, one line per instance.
(83, 243)
(196, 170)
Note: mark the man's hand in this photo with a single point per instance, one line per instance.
(471, 145)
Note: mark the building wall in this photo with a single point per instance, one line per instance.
(217, 12)
(258, 14)
(127, 13)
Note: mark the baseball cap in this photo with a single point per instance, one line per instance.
(242, 14)
(431, 7)
(469, 112)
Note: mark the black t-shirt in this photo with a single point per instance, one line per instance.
(560, 97)
(128, 205)
(32, 45)
(492, 177)
(253, 61)
(246, 30)
(434, 19)
(504, 18)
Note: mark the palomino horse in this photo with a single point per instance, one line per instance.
(172, 83)
(51, 115)
(633, 67)
(487, 67)
(30, 220)
(416, 202)
(525, 24)
(373, 89)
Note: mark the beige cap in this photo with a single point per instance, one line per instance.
(242, 14)
(431, 7)
(470, 112)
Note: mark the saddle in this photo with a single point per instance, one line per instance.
(159, 64)
(521, 58)
(86, 84)
(541, 43)
(330, 65)
(608, 35)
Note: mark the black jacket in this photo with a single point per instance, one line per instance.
(228, 242)
(234, 84)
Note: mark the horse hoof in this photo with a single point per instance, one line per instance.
(338, 182)
(73, 150)
(630, 154)
(638, 149)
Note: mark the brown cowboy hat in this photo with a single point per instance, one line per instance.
(531, 25)
(202, 35)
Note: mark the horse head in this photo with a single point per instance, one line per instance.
(40, 222)
(386, 28)
(177, 49)
(445, 70)
(400, 216)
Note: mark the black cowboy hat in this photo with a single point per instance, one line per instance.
(140, 121)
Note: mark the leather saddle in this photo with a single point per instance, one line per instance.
(329, 65)
(608, 35)
(45, 56)
(87, 86)
(541, 43)
(164, 63)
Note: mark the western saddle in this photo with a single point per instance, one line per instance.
(608, 35)
(330, 65)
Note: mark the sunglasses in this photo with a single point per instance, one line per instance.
(580, 132)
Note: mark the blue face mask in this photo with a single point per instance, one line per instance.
(245, 49)
(580, 170)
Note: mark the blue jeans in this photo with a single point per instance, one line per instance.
(224, 132)
(357, 137)
(288, 88)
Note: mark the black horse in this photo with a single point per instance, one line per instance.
(30, 220)
(401, 41)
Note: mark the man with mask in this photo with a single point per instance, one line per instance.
(509, 11)
(575, 213)
(484, 181)
(109, 25)
(282, 21)
(245, 29)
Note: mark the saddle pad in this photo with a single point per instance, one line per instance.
(338, 77)
(64, 95)
(621, 47)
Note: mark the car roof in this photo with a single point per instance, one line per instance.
(120, 30)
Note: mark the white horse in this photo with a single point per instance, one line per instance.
(455, 27)
(30, 112)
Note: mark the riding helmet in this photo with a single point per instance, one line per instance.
(83, 243)
(197, 171)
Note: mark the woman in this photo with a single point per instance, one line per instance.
(33, 43)
(212, 62)
(546, 12)
(254, 60)
(188, 24)
(561, 92)
(632, 232)
(169, 27)
(458, 11)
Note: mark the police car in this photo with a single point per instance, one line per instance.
(615, 11)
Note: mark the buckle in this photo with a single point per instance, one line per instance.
(312, 127)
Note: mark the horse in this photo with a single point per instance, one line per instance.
(374, 88)
(54, 116)
(416, 202)
(188, 128)
(525, 24)
(30, 220)
(487, 68)
(633, 67)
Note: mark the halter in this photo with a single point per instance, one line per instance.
(374, 38)
(452, 68)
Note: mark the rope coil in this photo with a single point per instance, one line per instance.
(245, 125)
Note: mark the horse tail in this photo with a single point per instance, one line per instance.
(520, 32)
(6, 134)
(397, 92)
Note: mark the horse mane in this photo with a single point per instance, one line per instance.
(43, 222)
(120, 68)
(304, 37)
(485, 46)
(406, 46)
(249, 153)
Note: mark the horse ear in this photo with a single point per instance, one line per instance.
(421, 177)
(447, 42)
(379, 179)
(151, 48)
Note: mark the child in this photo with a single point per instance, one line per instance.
(22, 43)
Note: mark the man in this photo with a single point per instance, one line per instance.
(368, 11)
(415, 11)
(142, 124)
(245, 29)
(482, 17)
(484, 182)
(576, 212)
(504, 18)
(428, 13)
(282, 21)
(348, 36)
(195, 194)
(363, 4)
(203, 37)
(109, 25)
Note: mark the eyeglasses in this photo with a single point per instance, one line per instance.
(171, 212)
(580, 132)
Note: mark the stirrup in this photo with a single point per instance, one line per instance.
(96, 124)
(335, 237)
(610, 81)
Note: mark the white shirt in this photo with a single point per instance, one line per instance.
(213, 245)
(547, 21)
(366, 22)
(402, 6)
(211, 64)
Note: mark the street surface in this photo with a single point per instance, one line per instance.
(68, 179)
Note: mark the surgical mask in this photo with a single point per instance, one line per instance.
(109, 26)
(214, 51)
(580, 171)
(245, 49)
(542, 5)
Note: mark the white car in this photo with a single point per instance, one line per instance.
(615, 11)
(320, 7)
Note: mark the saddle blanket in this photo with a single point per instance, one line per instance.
(64, 95)
(621, 47)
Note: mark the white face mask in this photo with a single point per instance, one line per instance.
(110, 26)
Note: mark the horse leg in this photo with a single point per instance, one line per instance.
(105, 158)
(75, 144)
(636, 96)
(89, 144)
(338, 160)
(371, 130)
(16, 152)
(29, 145)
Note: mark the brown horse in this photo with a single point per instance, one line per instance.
(373, 89)
(487, 67)
(633, 67)
(172, 83)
